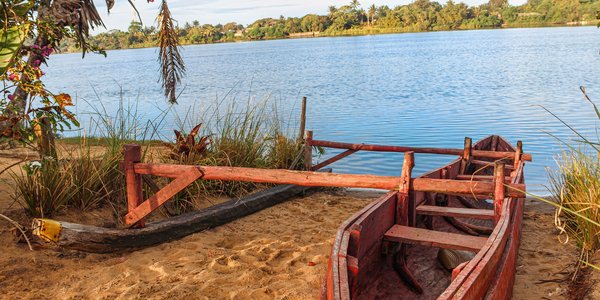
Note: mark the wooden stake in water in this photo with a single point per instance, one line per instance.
(302, 119)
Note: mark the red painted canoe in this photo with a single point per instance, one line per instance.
(391, 248)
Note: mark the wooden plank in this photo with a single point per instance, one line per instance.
(304, 178)
(480, 177)
(473, 281)
(133, 154)
(413, 235)
(162, 196)
(405, 205)
(106, 240)
(499, 190)
(302, 119)
(334, 289)
(456, 212)
(466, 157)
(444, 151)
(489, 164)
(308, 150)
(332, 159)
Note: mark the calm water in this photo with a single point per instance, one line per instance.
(422, 89)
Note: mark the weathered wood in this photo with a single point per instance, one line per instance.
(473, 281)
(105, 240)
(425, 237)
(447, 186)
(456, 212)
(308, 150)
(150, 183)
(480, 177)
(302, 119)
(333, 287)
(444, 151)
(466, 157)
(404, 208)
(162, 196)
(499, 190)
(518, 154)
(489, 164)
(332, 160)
(132, 154)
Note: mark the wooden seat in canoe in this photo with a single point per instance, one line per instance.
(425, 237)
(456, 212)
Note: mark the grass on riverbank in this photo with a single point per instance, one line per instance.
(576, 190)
(88, 174)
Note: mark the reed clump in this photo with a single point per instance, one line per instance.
(575, 186)
(253, 136)
(89, 174)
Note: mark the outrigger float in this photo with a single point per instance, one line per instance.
(387, 250)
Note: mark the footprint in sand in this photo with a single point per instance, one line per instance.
(225, 264)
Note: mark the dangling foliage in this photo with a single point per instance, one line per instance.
(81, 15)
(171, 62)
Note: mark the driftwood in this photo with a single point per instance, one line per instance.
(105, 240)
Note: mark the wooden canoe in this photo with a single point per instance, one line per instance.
(381, 254)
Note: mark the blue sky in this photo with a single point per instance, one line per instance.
(223, 11)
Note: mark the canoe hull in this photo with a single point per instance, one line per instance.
(361, 267)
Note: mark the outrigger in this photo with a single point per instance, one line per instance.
(386, 250)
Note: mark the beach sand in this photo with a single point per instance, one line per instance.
(278, 253)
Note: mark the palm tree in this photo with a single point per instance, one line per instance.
(371, 16)
(332, 11)
(355, 5)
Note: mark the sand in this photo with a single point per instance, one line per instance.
(278, 253)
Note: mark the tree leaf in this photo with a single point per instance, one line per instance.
(11, 40)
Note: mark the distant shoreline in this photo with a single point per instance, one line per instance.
(350, 34)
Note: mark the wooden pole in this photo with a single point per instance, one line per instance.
(445, 151)
(308, 150)
(466, 156)
(406, 206)
(499, 190)
(302, 119)
(133, 155)
(518, 154)
(303, 178)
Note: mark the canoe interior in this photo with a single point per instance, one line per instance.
(360, 269)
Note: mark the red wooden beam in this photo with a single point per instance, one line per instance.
(499, 190)
(304, 178)
(133, 154)
(333, 159)
(185, 178)
(446, 151)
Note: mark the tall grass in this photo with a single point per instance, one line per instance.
(254, 134)
(575, 186)
(85, 177)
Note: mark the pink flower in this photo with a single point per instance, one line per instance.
(11, 97)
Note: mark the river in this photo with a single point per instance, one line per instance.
(418, 89)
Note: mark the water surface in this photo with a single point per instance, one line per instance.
(421, 89)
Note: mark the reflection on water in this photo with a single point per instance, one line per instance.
(422, 89)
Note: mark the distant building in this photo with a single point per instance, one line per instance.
(239, 33)
(529, 14)
(305, 34)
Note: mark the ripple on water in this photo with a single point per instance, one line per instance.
(425, 89)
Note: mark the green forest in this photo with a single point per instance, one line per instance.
(355, 19)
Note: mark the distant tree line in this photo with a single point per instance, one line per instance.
(354, 19)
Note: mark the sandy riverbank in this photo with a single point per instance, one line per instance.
(278, 253)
